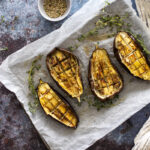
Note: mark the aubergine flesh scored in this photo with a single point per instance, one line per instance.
(105, 81)
(56, 106)
(129, 53)
(64, 69)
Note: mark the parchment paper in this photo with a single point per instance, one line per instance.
(93, 124)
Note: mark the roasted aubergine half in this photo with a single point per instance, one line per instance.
(104, 79)
(56, 106)
(64, 69)
(130, 54)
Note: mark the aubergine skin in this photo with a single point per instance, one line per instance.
(64, 68)
(130, 54)
(105, 81)
(56, 106)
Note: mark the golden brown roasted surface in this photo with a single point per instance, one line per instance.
(104, 79)
(130, 54)
(64, 69)
(55, 106)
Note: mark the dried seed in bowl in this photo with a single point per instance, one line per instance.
(55, 8)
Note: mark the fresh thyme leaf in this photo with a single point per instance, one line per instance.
(111, 35)
(38, 67)
(116, 96)
(4, 49)
(72, 48)
(81, 37)
(2, 19)
(34, 66)
(113, 22)
(106, 4)
(32, 108)
(27, 72)
(89, 102)
(140, 40)
(98, 104)
(79, 104)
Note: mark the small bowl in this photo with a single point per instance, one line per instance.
(43, 13)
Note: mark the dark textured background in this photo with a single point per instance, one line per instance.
(23, 24)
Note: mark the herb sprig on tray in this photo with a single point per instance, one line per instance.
(140, 40)
(116, 21)
(72, 48)
(2, 20)
(4, 49)
(34, 66)
(99, 104)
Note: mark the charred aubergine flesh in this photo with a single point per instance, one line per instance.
(130, 54)
(55, 106)
(105, 81)
(64, 69)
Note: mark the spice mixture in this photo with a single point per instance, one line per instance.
(55, 8)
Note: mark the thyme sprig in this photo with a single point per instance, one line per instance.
(99, 104)
(4, 49)
(2, 20)
(31, 85)
(140, 40)
(72, 48)
(116, 21)
(106, 4)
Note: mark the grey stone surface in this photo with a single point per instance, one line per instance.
(23, 24)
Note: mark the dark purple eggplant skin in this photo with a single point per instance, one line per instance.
(92, 86)
(138, 45)
(66, 102)
(64, 50)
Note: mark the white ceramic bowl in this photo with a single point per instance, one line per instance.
(43, 13)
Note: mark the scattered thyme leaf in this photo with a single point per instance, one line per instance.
(33, 92)
(81, 38)
(27, 72)
(106, 4)
(72, 48)
(2, 19)
(89, 102)
(140, 40)
(98, 104)
(116, 96)
(116, 21)
(4, 49)
(38, 67)
(79, 104)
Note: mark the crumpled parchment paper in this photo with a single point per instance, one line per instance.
(93, 124)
